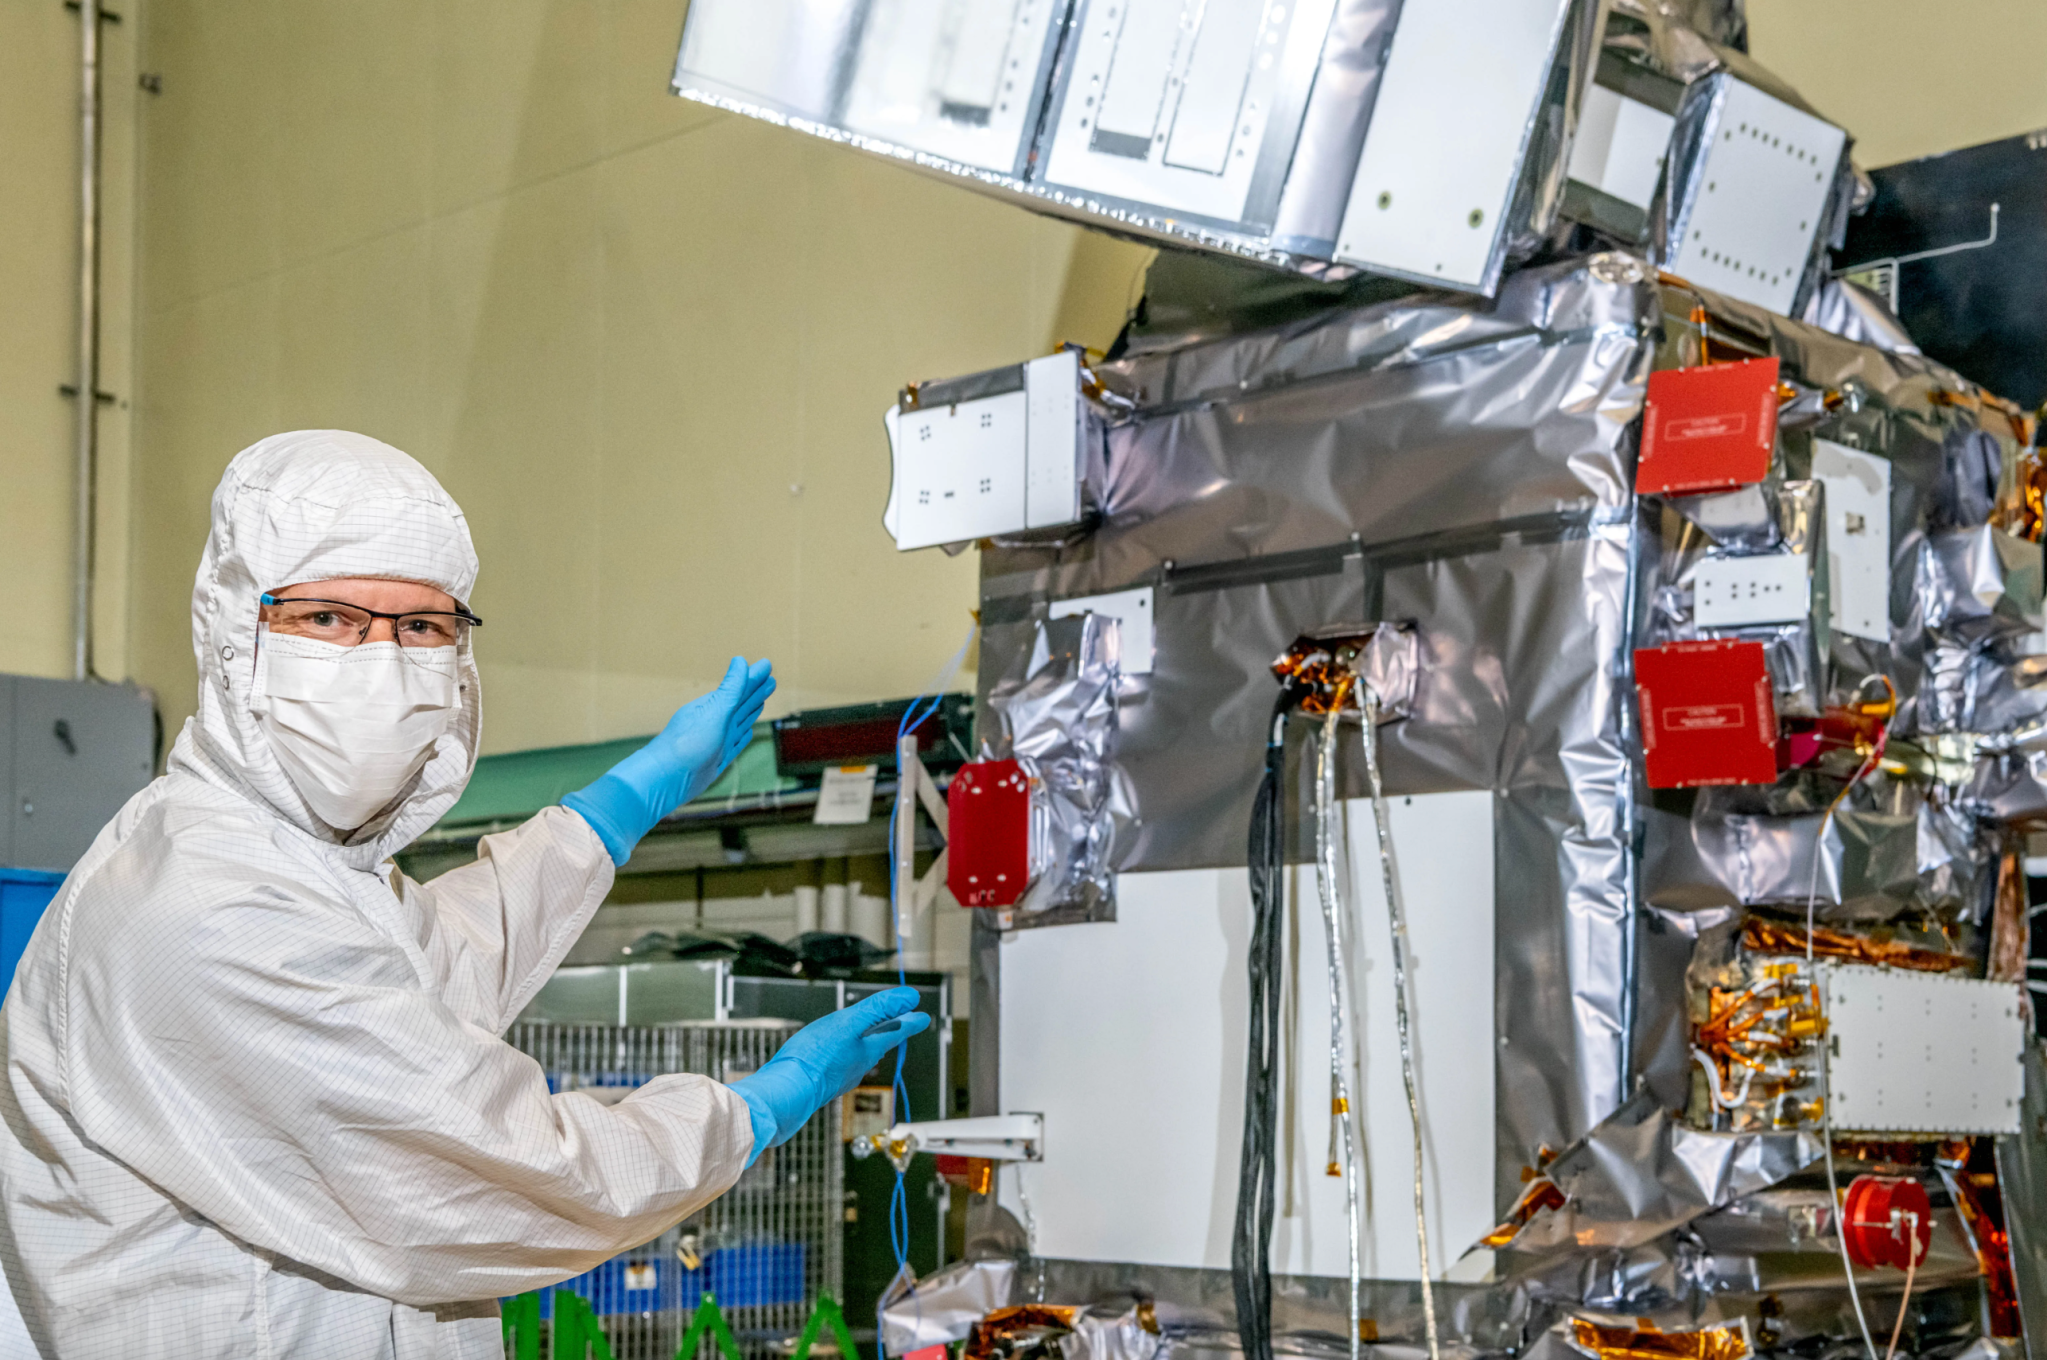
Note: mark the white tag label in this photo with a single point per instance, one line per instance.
(1858, 538)
(866, 1111)
(1728, 592)
(846, 798)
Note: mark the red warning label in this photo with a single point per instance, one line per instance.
(1708, 714)
(1702, 717)
(1707, 429)
(1726, 426)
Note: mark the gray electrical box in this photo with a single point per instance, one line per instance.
(71, 753)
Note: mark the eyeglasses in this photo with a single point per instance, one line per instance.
(346, 625)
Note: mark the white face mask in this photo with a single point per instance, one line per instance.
(352, 725)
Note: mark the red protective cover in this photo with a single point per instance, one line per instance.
(1887, 1221)
(1707, 429)
(1707, 714)
(988, 834)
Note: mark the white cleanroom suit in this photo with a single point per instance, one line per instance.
(256, 1101)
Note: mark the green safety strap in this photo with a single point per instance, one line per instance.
(577, 1333)
(707, 1318)
(826, 1314)
(521, 1318)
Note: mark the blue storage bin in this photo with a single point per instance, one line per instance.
(629, 1284)
(646, 1282)
(23, 895)
(768, 1272)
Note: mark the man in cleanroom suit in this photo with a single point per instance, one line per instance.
(255, 1098)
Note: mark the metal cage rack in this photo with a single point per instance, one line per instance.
(766, 1250)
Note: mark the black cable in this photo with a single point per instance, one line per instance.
(1251, 1240)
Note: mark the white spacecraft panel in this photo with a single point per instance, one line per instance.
(1620, 146)
(962, 79)
(1128, 1036)
(1757, 199)
(1168, 103)
(959, 471)
(1924, 1052)
(1003, 462)
(1052, 449)
(1444, 152)
(1858, 538)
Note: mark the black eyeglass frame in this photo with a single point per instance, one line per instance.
(458, 612)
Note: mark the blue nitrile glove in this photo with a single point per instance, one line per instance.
(824, 1060)
(703, 737)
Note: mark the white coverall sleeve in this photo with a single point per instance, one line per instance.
(504, 921)
(274, 1063)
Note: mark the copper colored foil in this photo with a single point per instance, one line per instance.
(1761, 935)
(1728, 1342)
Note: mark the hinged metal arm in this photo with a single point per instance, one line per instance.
(914, 787)
(991, 1138)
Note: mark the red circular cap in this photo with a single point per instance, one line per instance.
(1886, 1221)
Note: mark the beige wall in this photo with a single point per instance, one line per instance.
(1909, 78)
(646, 345)
(38, 310)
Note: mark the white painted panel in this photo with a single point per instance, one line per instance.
(1593, 140)
(1134, 97)
(1923, 1052)
(1129, 1038)
(1728, 592)
(1212, 95)
(981, 34)
(1167, 101)
(1620, 146)
(1444, 845)
(994, 465)
(956, 78)
(1634, 161)
(1858, 499)
(1052, 386)
(959, 471)
(1444, 149)
(1756, 211)
(1132, 610)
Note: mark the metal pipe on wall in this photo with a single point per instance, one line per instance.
(87, 424)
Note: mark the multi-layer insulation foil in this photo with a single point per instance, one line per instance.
(1462, 467)
(1469, 470)
(1055, 715)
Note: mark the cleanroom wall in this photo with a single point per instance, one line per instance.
(38, 331)
(646, 345)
